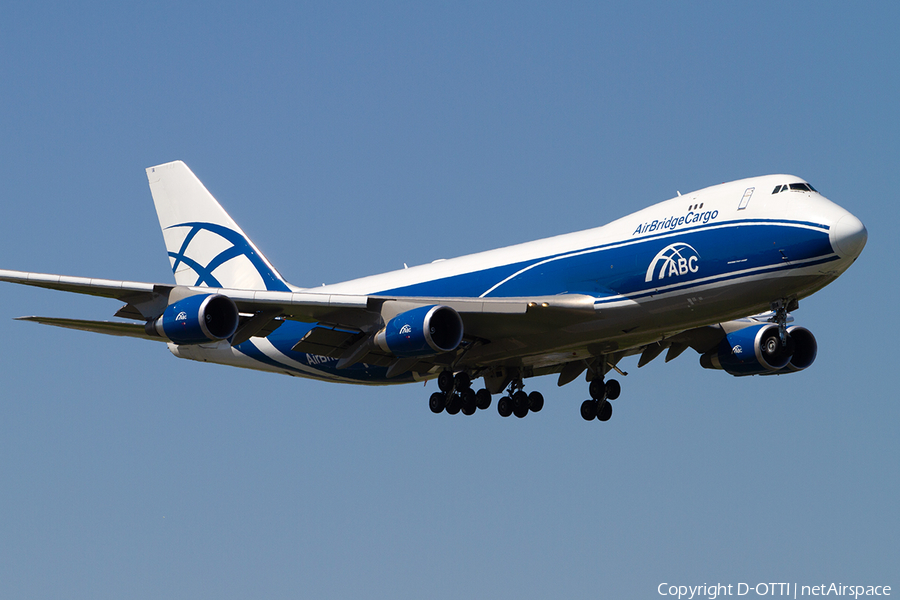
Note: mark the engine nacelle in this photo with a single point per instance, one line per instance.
(757, 350)
(423, 331)
(805, 349)
(197, 320)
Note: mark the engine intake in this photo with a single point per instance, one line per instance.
(197, 320)
(423, 331)
(805, 349)
(757, 350)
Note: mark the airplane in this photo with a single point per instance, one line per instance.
(718, 270)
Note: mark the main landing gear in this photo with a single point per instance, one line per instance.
(457, 395)
(517, 402)
(601, 393)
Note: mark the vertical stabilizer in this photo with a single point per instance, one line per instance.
(206, 247)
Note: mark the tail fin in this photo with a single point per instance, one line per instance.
(206, 247)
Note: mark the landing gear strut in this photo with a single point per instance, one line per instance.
(781, 308)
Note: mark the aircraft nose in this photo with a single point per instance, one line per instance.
(848, 236)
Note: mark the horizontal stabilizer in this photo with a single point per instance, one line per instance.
(91, 286)
(107, 327)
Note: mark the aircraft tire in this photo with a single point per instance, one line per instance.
(437, 402)
(483, 399)
(604, 411)
(505, 406)
(462, 380)
(520, 411)
(613, 389)
(454, 404)
(589, 410)
(445, 381)
(520, 400)
(598, 389)
(469, 405)
(536, 401)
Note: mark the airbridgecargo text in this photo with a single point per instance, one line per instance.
(674, 222)
(792, 590)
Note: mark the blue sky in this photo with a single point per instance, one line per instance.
(348, 139)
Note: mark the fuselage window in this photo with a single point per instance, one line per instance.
(777, 189)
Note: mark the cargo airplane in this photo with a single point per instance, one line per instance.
(717, 270)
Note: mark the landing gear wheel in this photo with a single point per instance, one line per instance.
(437, 402)
(445, 381)
(483, 399)
(604, 411)
(536, 401)
(520, 411)
(520, 401)
(613, 389)
(598, 389)
(468, 403)
(589, 410)
(505, 406)
(463, 382)
(454, 404)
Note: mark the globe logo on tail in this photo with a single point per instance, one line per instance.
(219, 257)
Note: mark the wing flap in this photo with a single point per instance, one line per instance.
(327, 341)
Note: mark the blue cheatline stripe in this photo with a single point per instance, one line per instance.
(250, 350)
(707, 282)
(619, 268)
(284, 338)
(240, 246)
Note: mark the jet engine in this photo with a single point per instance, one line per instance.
(197, 320)
(805, 350)
(757, 350)
(423, 331)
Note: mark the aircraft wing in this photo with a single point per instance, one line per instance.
(483, 318)
(345, 325)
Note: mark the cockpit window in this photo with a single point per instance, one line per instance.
(796, 187)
